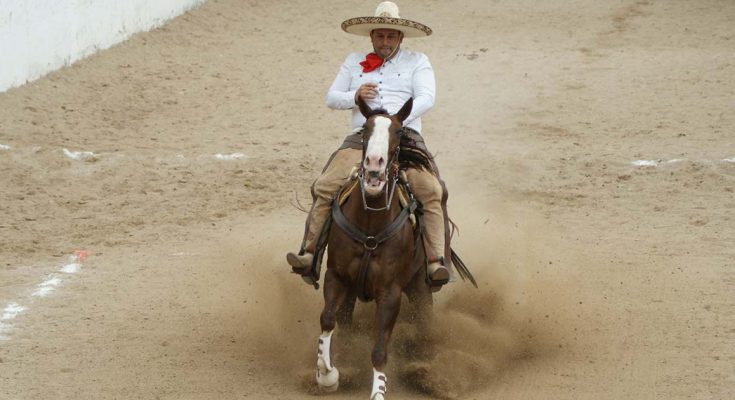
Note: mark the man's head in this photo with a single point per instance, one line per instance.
(386, 42)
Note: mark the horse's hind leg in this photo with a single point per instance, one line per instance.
(327, 375)
(388, 306)
(345, 311)
(421, 315)
(419, 295)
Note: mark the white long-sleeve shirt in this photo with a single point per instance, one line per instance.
(407, 74)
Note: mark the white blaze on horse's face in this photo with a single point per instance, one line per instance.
(376, 156)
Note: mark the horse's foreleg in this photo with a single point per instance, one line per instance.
(388, 306)
(327, 375)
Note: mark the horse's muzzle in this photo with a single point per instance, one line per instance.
(374, 182)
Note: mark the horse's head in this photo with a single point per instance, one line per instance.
(381, 138)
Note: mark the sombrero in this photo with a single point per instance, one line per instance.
(386, 17)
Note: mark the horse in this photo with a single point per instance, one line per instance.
(374, 252)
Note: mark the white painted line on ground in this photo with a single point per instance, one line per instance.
(645, 163)
(71, 268)
(229, 157)
(43, 289)
(11, 311)
(182, 253)
(80, 155)
(46, 287)
(4, 147)
(655, 163)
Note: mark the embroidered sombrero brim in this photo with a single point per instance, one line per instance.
(362, 26)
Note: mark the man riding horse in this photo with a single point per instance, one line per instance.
(386, 79)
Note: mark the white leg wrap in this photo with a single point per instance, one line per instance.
(327, 376)
(380, 383)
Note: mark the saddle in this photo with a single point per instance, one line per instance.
(311, 276)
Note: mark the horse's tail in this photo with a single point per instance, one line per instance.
(462, 269)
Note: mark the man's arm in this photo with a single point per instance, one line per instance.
(424, 89)
(339, 96)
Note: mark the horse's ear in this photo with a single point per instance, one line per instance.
(364, 108)
(405, 111)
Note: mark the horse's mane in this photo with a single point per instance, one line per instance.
(411, 156)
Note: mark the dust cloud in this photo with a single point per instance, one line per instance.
(521, 312)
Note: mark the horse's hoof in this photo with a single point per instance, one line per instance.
(329, 389)
(378, 396)
(327, 380)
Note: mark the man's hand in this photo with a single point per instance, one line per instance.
(367, 91)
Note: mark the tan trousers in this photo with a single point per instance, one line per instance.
(424, 184)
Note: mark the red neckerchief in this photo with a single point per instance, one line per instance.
(371, 63)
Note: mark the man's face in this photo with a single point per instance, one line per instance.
(385, 41)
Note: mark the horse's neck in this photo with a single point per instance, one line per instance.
(371, 222)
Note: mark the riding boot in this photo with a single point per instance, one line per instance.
(300, 262)
(438, 273)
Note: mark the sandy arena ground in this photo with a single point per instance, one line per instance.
(589, 147)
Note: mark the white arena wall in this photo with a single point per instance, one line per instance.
(39, 36)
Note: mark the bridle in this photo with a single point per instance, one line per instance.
(391, 171)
